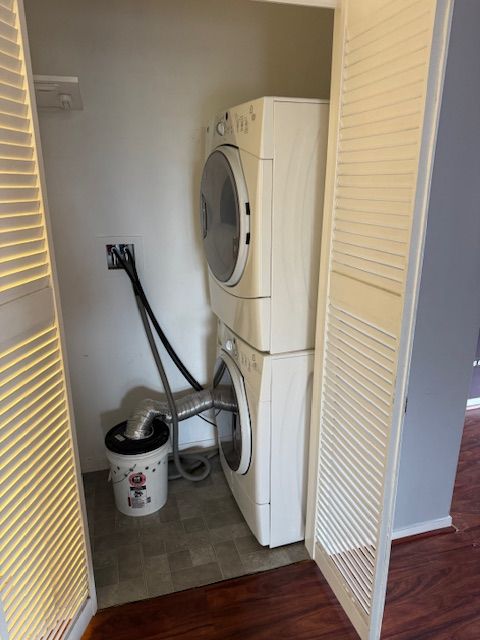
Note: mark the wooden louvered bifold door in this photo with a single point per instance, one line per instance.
(379, 152)
(44, 576)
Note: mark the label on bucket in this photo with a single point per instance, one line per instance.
(137, 479)
(138, 497)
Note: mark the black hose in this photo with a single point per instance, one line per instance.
(172, 407)
(130, 269)
(140, 297)
(137, 285)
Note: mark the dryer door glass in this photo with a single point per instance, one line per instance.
(234, 434)
(221, 214)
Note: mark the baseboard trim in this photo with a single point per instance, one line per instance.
(204, 446)
(430, 527)
(473, 403)
(198, 445)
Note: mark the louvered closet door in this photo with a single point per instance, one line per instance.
(386, 81)
(44, 579)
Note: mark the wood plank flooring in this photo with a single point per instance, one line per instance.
(433, 590)
(292, 602)
(434, 583)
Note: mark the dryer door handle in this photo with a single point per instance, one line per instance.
(204, 217)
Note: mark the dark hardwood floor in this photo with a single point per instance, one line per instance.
(434, 583)
(433, 590)
(291, 602)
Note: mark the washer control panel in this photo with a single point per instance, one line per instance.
(229, 346)
(248, 359)
(227, 341)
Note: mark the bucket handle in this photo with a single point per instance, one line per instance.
(124, 477)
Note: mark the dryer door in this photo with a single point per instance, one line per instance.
(225, 215)
(234, 429)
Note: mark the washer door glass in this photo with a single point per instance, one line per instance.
(234, 431)
(223, 212)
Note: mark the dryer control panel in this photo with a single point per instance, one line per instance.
(248, 127)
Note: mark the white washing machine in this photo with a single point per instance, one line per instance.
(261, 217)
(263, 447)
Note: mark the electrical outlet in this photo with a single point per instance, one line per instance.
(112, 260)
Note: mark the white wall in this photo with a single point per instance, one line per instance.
(151, 74)
(449, 303)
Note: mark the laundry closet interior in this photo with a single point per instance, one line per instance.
(186, 143)
(127, 168)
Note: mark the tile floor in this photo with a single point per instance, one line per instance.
(199, 537)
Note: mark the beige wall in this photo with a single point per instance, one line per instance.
(151, 74)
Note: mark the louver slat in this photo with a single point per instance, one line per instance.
(7, 16)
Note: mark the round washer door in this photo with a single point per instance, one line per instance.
(234, 429)
(225, 215)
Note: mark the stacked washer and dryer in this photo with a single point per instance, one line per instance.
(261, 217)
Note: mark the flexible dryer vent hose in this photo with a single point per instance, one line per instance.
(139, 424)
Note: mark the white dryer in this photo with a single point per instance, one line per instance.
(263, 446)
(261, 217)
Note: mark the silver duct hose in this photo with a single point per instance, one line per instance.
(139, 425)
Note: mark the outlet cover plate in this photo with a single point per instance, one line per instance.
(102, 241)
(112, 261)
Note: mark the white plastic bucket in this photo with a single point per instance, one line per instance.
(140, 481)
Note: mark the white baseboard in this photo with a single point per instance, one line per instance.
(200, 444)
(195, 445)
(422, 527)
(100, 463)
(94, 464)
(473, 403)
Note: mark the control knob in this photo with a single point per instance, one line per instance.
(221, 128)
